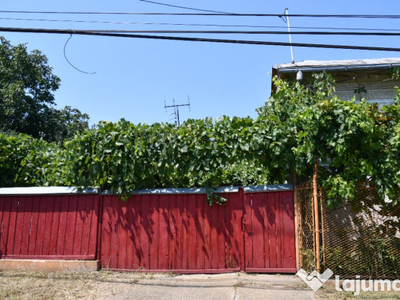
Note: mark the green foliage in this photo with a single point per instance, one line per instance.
(124, 157)
(352, 141)
(26, 96)
(25, 161)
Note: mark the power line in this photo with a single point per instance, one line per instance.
(183, 7)
(255, 32)
(346, 16)
(196, 24)
(192, 39)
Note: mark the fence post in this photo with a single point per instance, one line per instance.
(297, 220)
(316, 215)
(99, 226)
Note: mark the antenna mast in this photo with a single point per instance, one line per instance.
(286, 20)
(176, 109)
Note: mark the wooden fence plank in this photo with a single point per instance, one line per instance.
(254, 231)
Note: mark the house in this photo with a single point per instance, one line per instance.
(364, 78)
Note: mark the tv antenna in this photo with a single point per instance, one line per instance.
(176, 109)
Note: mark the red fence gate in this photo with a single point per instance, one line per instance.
(156, 230)
(179, 232)
(269, 233)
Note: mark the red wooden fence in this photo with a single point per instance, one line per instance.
(49, 226)
(269, 232)
(156, 231)
(177, 232)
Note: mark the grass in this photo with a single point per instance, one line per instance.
(104, 285)
(46, 286)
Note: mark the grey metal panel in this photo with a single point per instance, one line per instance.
(167, 191)
(51, 190)
(268, 188)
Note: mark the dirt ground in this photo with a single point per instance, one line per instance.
(108, 285)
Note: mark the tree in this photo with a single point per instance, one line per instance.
(27, 103)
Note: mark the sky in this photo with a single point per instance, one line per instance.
(135, 78)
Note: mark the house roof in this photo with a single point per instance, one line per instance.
(338, 65)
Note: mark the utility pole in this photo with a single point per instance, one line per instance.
(176, 109)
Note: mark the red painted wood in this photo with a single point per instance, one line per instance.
(269, 245)
(184, 204)
(19, 226)
(200, 231)
(71, 225)
(36, 227)
(289, 249)
(106, 232)
(48, 226)
(26, 213)
(191, 232)
(154, 232)
(56, 225)
(272, 228)
(164, 233)
(248, 231)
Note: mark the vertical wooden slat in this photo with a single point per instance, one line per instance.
(144, 227)
(114, 226)
(184, 232)
(41, 226)
(106, 233)
(192, 232)
(248, 230)
(48, 225)
(222, 228)
(12, 224)
(201, 232)
(288, 249)
(26, 218)
(88, 209)
(71, 225)
(154, 222)
(214, 235)
(258, 231)
(237, 233)
(279, 228)
(19, 227)
(56, 225)
(272, 224)
(178, 212)
(34, 225)
(122, 234)
(164, 232)
(5, 225)
(80, 222)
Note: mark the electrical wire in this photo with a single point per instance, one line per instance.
(200, 25)
(208, 14)
(66, 58)
(192, 39)
(255, 32)
(184, 7)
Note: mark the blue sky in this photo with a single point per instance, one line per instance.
(135, 76)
